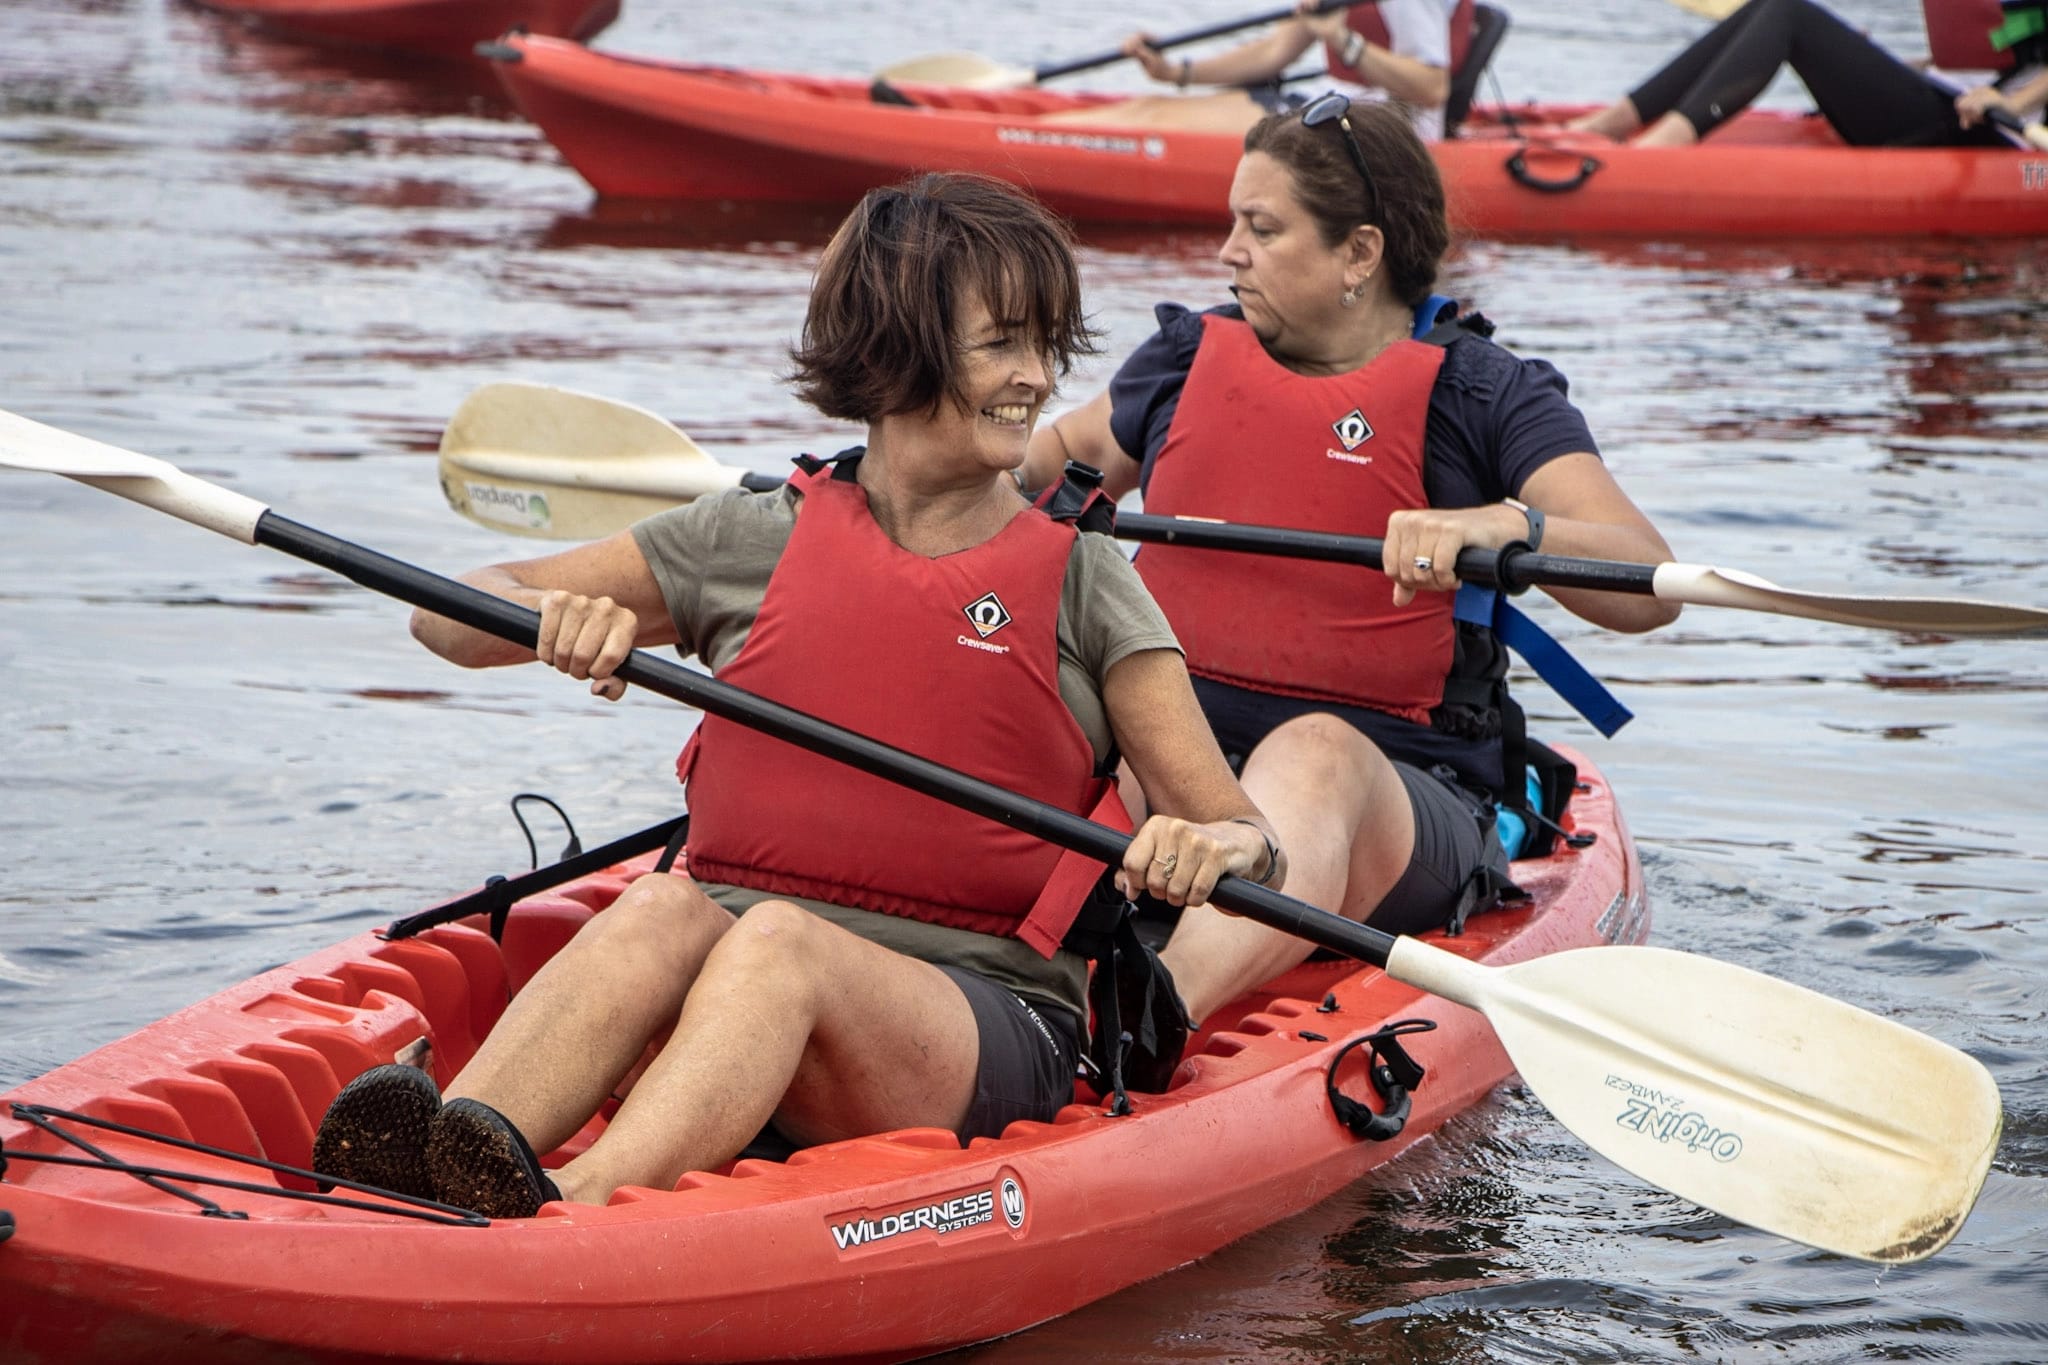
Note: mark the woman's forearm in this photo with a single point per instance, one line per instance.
(471, 648)
(1635, 544)
(2029, 96)
(1252, 64)
(611, 573)
(1404, 78)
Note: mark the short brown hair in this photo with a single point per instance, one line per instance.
(878, 339)
(1411, 193)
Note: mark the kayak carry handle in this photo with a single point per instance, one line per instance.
(1518, 169)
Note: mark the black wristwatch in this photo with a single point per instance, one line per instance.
(1535, 516)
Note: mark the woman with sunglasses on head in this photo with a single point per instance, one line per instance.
(1371, 726)
(845, 956)
(1869, 97)
(1398, 50)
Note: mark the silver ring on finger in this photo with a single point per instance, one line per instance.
(1169, 862)
(1424, 563)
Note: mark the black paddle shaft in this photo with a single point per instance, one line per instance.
(1513, 568)
(494, 615)
(1193, 35)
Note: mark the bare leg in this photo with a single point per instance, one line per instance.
(1229, 111)
(796, 1019)
(1673, 130)
(1868, 95)
(1343, 815)
(1618, 120)
(570, 1037)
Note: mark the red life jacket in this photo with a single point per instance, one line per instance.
(1254, 442)
(1365, 20)
(955, 659)
(1959, 34)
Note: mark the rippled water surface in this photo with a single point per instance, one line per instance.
(283, 269)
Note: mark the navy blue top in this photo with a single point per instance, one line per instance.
(1495, 417)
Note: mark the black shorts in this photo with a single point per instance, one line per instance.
(1242, 717)
(1029, 1055)
(1455, 844)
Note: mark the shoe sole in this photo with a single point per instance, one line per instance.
(375, 1132)
(480, 1162)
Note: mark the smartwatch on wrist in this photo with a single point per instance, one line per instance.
(1535, 517)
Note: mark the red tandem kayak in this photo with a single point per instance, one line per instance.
(450, 28)
(882, 1248)
(646, 129)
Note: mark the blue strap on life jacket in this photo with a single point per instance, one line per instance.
(1477, 606)
(1491, 609)
(1431, 311)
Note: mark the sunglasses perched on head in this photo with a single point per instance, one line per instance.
(1335, 107)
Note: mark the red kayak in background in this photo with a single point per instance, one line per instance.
(644, 129)
(445, 28)
(888, 1247)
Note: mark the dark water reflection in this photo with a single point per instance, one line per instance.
(283, 268)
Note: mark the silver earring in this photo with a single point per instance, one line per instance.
(1349, 297)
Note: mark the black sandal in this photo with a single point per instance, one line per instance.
(375, 1132)
(481, 1162)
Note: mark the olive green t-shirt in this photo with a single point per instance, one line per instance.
(712, 560)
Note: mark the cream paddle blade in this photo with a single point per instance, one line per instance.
(536, 460)
(1710, 9)
(579, 493)
(968, 69)
(30, 445)
(1763, 1101)
(1704, 585)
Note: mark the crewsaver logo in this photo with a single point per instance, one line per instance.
(987, 614)
(1352, 429)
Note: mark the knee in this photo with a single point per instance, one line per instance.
(774, 939)
(656, 917)
(1321, 750)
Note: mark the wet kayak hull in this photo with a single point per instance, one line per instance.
(881, 1248)
(638, 129)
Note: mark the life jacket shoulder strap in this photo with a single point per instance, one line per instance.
(1077, 497)
(1439, 322)
(842, 465)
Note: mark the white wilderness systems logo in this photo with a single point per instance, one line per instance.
(940, 1217)
(1082, 141)
(1665, 1117)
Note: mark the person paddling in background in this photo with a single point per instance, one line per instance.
(1395, 49)
(1372, 728)
(850, 957)
(1869, 97)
